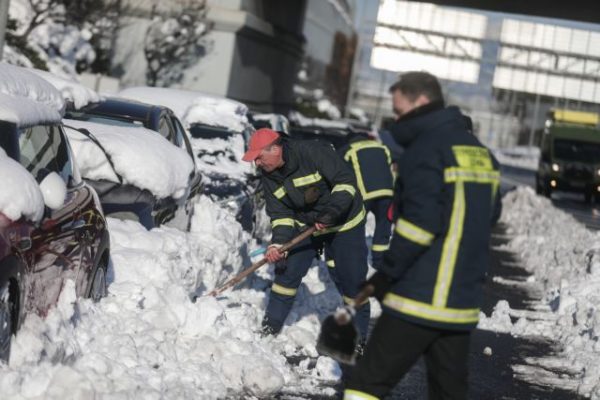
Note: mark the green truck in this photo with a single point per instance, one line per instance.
(570, 154)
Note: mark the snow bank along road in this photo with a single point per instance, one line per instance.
(562, 258)
(588, 214)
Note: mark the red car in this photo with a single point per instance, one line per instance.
(70, 241)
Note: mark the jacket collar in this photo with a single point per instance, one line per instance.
(422, 119)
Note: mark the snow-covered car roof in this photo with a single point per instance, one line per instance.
(26, 99)
(20, 194)
(193, 107)
(71, 90)
(140, 156)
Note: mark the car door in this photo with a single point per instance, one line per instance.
(56, 242)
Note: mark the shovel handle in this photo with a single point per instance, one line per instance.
(242, 275)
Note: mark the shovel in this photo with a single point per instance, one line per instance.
(244, 274)
(339, 337)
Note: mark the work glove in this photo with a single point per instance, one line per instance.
(273, 254)
(381, 283)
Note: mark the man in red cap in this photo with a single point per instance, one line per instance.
(307, 183)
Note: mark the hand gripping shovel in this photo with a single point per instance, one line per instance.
(339, 337)
(244, 274)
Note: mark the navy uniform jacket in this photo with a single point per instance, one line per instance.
(314, 178)
(371, 162)
(447, 201)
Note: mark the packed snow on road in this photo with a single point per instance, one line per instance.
(563, 258)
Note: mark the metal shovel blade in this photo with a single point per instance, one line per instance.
(338, 339)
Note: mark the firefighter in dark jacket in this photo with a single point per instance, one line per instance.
(372, 165)
(307, 183)
(430, 284)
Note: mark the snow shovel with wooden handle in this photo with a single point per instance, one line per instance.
(244, 274)
(339, 337)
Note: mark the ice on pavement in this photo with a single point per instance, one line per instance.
(193, 107)
(148, 340)
(26, 98)
(20, 194)
(71, 90)
(140, 156)
(564, 257)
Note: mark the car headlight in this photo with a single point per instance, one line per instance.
(598, 171)
(555, 167)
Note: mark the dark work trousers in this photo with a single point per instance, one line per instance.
(395, 345)
(381, 238)
(347, 264)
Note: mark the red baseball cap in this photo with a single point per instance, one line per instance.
(260, 139)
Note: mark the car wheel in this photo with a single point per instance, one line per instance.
(98, 288)
(6, 324)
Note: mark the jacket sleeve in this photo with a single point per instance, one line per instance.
(282, 217)
(420, 210)
(340, 178)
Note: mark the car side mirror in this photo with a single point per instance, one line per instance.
(54, 190)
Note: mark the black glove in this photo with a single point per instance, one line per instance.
(381, 284)
(328, 216)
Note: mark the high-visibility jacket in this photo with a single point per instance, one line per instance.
(312, 179)
(447, 202)
(371, 162)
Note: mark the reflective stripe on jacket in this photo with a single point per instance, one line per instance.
(447, 202)
(313, 178)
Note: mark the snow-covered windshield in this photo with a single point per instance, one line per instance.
(575, 150)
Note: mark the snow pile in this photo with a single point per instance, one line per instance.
(20, 194)
(148, 340)
(70, 89)
(520, 156)
(140, 156)
(27, 99)
(193, 107)
(564, 258)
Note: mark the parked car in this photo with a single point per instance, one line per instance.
(137, 173)
(120, 198)
(219, 131)
(113, 111)
(51, 223)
